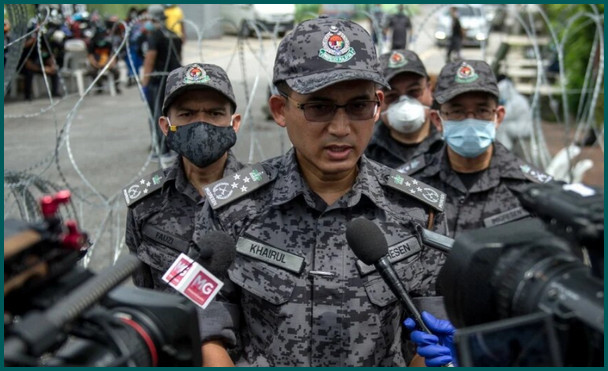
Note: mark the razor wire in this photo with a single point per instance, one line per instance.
(24, 187)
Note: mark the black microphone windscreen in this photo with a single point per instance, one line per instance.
(366, 240)
(223, 252)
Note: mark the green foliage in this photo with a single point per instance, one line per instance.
(306, 11)
(580, 37)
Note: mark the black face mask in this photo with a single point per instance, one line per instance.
(200, 142)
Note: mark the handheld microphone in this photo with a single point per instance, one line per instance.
(217, 251)
(369, 245)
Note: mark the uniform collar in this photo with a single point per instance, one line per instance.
(382, 138)
(502, 165)
(290, 184)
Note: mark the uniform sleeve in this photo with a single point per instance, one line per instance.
(143, 276)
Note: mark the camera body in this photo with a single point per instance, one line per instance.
(60, 314)
(520, 293)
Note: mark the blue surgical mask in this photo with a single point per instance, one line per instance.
(470, 137)
(149, 26)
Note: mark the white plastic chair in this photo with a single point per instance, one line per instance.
(75, 62)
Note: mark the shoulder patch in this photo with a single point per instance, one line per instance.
(236, 185)
(417, 189)
(412, 166)
(533, 174)
(143, 187)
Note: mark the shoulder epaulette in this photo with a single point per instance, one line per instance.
(417, 189)
(533, 174)
(143, 187)
(236, 185)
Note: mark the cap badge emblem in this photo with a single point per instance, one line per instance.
(196, 74)
(466, 74)
(336, 47)
(397, 60)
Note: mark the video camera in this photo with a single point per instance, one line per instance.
(59, 314)
(531, 292)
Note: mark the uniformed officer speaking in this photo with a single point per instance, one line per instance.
(299, 295)
(200, 123)
(479, 175)
(404, 135)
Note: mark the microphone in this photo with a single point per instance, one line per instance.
(216, 252)
(369, 245)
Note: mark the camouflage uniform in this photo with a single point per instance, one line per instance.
(304, 298)
(492, 198)
(382, 147)
(160, 222)
(389, 152)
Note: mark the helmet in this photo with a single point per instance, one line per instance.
(157, 12)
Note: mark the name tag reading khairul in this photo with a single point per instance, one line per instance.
(270, 255)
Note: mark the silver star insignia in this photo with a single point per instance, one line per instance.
(142, 181)
(237, 177)
(148, 184)
(243, 189)
(246, 179)
(419, 189)
(234, 185)
(407, 184)
(412, 190)
(145, 190)
(414, 182)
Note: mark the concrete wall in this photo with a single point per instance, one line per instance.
(202, 15)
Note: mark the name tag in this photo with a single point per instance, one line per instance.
(165, 238)
(396, 253)
(506, 217)
(270, 255)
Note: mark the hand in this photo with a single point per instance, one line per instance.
(437, 348)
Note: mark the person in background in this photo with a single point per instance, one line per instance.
(297, 294)
(404, 138)
(163, 53)
(134, 58)
(99, 55)
(175, 20)
(479, 175)
(378, 34)
(401, 28)
(456, 37)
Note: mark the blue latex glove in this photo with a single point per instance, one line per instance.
(437, 348)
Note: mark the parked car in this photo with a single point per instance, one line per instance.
(473, 21)
(265, 16)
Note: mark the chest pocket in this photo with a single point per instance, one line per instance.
(411, 273)
(262, 280)
(158, 257)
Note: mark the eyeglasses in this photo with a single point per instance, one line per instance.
(479, 113)
(324, 111)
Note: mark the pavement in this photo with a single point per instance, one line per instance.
(96, 145)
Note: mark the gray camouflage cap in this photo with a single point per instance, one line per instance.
(197, 76)
(462, 77)
(400, 61)
(324, 51)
